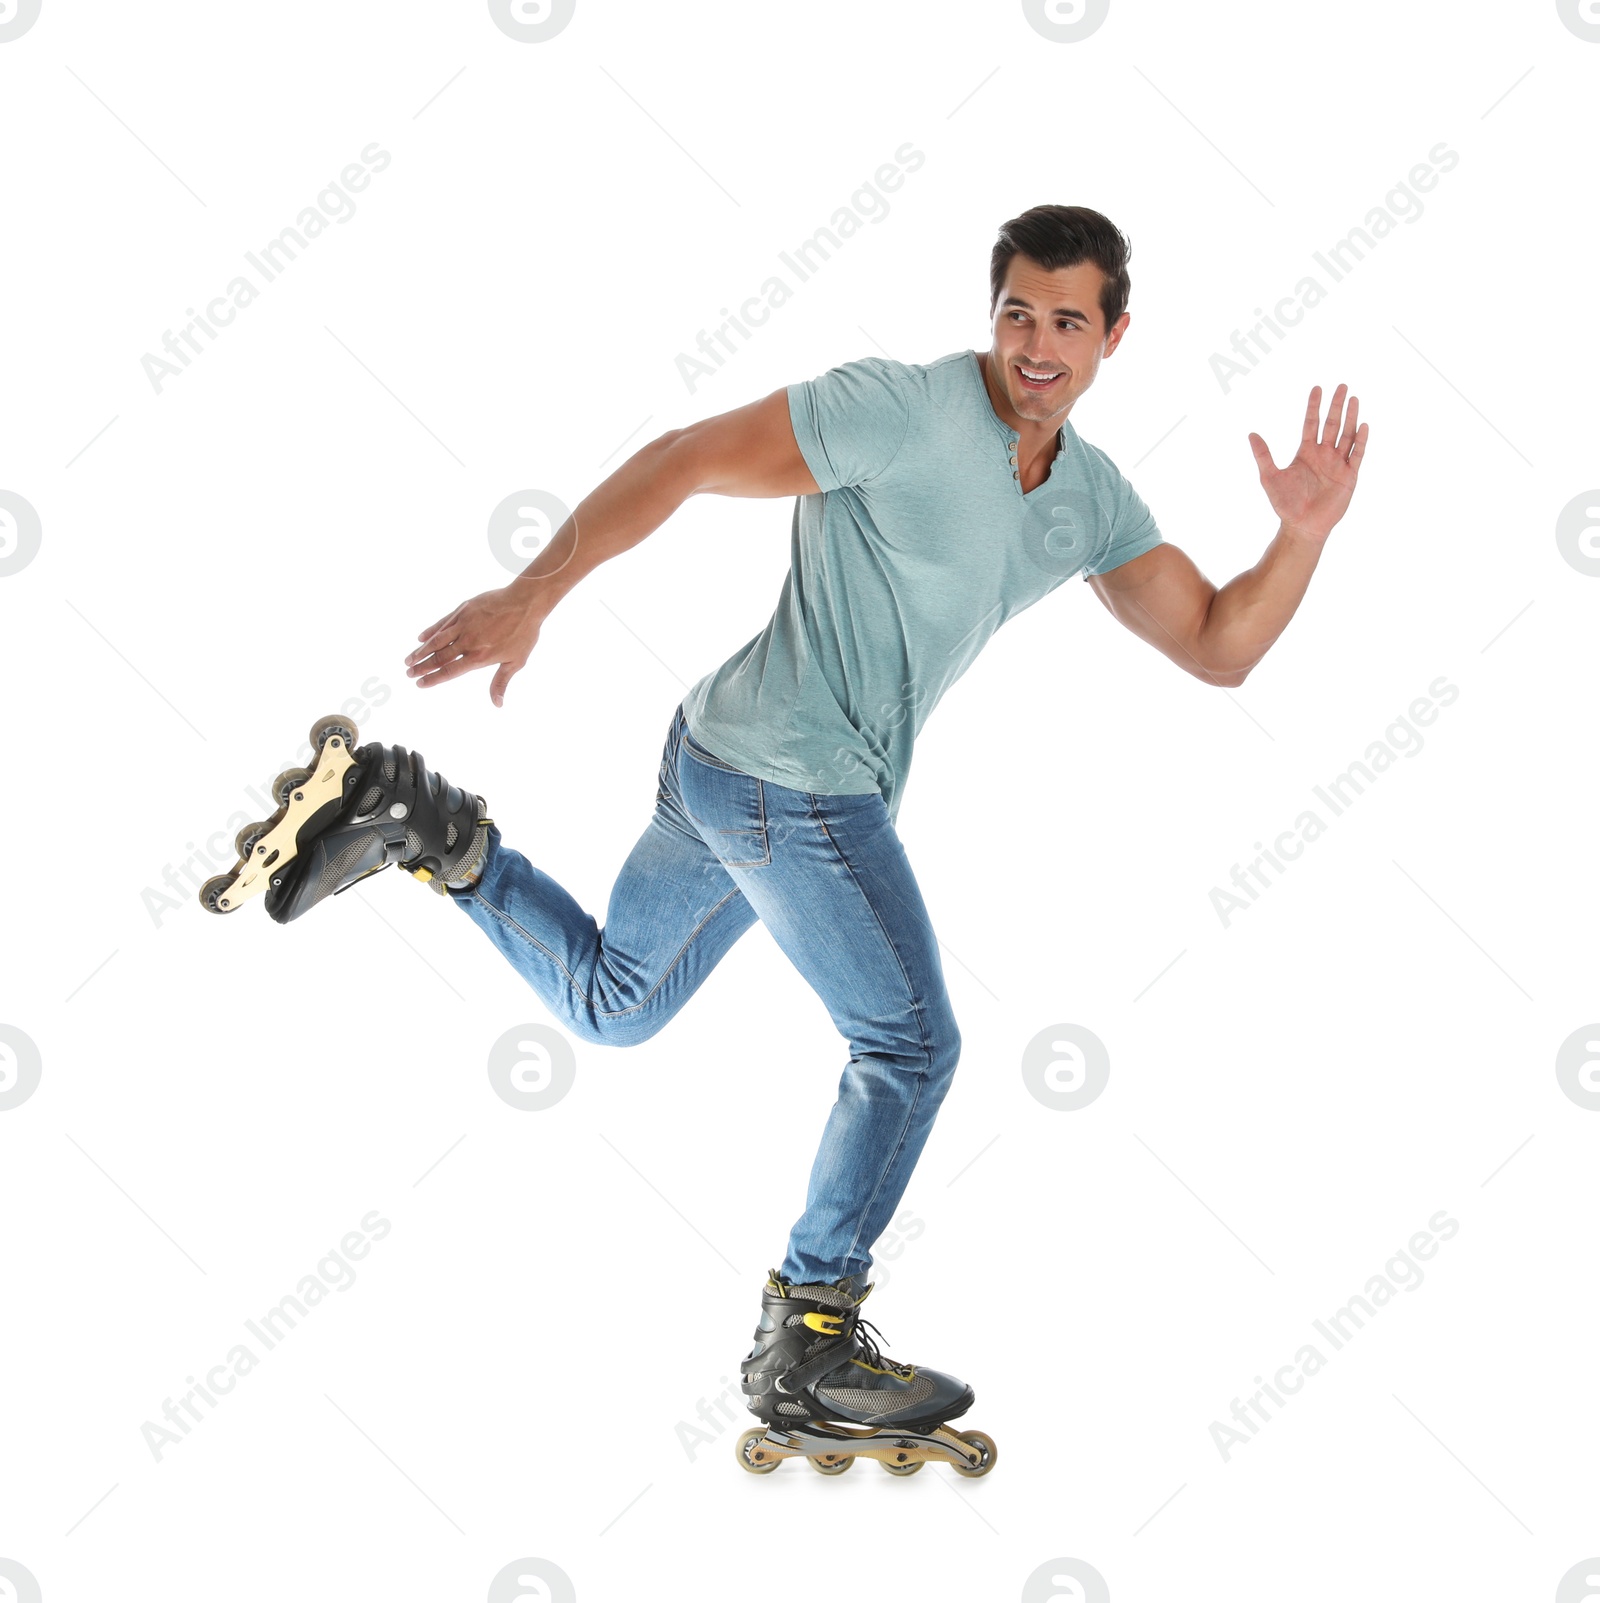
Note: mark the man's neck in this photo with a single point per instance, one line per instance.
(1037, 441)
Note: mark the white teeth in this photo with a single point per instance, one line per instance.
(1038, 377)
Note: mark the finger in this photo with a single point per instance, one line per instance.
(502, 678)
(1263, 456)
(434, 643)
(433, 662)
(1308, 429)
(444, 642)
(1331, 428)
(440, 634)
(1358, 447)
(1348, 432)
(442, 656)
(434, 628)
(447, 670)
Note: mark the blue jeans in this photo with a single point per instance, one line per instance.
(829, 878)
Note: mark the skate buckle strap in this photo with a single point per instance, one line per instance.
(802, 1375)
(828, 1324)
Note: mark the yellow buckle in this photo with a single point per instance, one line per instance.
(424, 874)
(828, 1324)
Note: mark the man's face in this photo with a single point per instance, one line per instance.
(1050, 323)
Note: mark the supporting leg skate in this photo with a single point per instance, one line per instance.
(828, 1393)
(831, 1448)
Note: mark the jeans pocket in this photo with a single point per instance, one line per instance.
(700, 754)
(728, 807)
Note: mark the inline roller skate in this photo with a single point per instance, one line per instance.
(355, 812)
(830, 1396)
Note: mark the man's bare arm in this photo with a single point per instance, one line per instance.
(750, 451)
(1220, 635)
(1217, 635)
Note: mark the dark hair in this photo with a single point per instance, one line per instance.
(1063, 236)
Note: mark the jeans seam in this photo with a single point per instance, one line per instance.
(677, 957)
(883, 1174)
(760, 830)
(911, 990)
(918, 1008)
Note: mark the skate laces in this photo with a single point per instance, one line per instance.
(874, 1354)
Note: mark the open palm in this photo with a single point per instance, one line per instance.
(1311, 493)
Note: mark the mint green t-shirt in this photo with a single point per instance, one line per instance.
(918, 546)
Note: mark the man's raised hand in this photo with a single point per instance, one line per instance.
(1311, 493)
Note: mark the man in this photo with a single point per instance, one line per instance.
(934, 502)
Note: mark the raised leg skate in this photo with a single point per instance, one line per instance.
(356, 812)
(828, 1394)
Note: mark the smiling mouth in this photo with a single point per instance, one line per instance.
(1039, 383)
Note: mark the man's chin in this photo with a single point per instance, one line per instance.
(1035, 410)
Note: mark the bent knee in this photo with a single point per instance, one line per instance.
(616, 1029)
(944, 1049)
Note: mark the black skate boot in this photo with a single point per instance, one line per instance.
(356, 813)
(830, 1396)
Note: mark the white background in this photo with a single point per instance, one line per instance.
(1292, 1096)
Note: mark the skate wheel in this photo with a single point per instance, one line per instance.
(211, 893)
(323, 728)
(985, 1445)
(246, 841)
(831, 1463)
(909, 1468)
(748, 1445)
(287, 783)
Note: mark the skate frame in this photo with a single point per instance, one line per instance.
(277, 847)
(939, 1446)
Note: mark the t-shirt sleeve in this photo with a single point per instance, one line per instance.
(1133, 529)
(851, 421)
